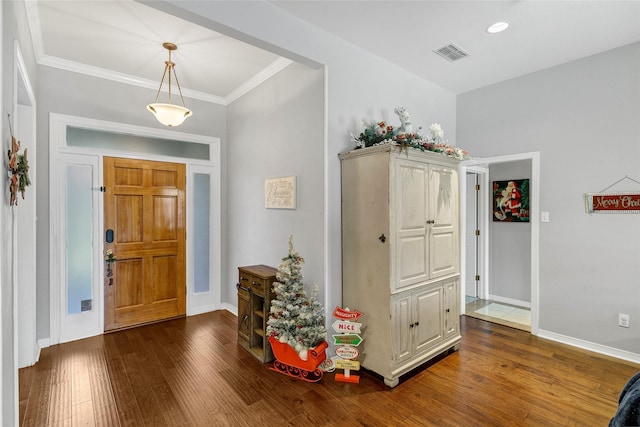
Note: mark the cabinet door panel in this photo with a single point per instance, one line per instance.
(429, 319)
(411, 216)
(443, 210)
(401, 319)
(243, 316)
(451, 313)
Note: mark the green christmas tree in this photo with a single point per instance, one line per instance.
(294, 318)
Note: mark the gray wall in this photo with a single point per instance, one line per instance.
(510, 243)
(85, 96)
(276, 130)
(583, 119)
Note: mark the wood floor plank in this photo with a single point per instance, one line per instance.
(123, 394)
(60, 402)
(37, 408)
(191, 372)
(82, 414)
(106, 416)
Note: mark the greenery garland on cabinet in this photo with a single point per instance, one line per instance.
(380, 132)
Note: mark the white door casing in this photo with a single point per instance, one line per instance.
(24, 123)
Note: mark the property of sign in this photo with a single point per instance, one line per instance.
(347, 339)
(347, 352)
(352, 365)
(345, 327)
(613, 202)
(343, 314)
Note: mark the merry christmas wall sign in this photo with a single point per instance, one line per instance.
(623, 202)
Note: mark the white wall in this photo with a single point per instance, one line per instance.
(510, 244)
(359, 85)
(276, 130)
(583, 119)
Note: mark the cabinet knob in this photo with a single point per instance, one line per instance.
(431, 221)
(411, 325)
(417, 323)
(448, 310)
(382, 238)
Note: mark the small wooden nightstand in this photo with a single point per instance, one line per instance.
(254, 301)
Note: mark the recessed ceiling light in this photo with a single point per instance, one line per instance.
(498, 27)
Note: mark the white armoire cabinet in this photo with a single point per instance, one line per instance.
(401, 255)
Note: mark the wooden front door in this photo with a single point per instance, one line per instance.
(144, 205)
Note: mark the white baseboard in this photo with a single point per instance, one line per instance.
(511, 301)
(586, 345)
(202, 310)
(230, 308)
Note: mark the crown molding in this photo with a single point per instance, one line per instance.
(262, 76)
(33, 20)
(103, 73)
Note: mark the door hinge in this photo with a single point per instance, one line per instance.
(477, 277)
(477, 232)
(477, 187)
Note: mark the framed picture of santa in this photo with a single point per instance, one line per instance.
(511, 200)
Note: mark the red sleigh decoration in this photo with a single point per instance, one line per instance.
(289, 363)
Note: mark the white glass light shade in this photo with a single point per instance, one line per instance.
(498, 27)
(169, 114)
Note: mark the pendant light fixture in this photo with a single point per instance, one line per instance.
(169, 114)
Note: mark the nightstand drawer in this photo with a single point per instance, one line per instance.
(258, 278)
(256, 284)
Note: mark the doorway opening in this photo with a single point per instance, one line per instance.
(499, 260)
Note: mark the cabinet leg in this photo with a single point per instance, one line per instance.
(391, 382)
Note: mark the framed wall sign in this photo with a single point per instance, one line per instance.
(511, 200)
(280, 193)
(623, 202)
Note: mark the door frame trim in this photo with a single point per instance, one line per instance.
(483, 220)
(58, 124)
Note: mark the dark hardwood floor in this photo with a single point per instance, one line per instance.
(190, 372)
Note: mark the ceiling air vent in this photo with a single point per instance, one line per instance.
(451, 52)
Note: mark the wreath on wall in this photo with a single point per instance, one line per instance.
(18, 169)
